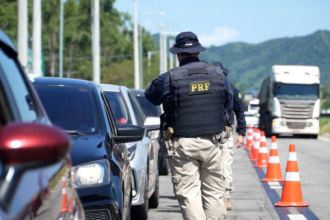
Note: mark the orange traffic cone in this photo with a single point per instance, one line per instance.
(254, 136)
(291, 194)
(263, 152)
(248, 144)
(274, 167)
(255, 150)
(64, 199)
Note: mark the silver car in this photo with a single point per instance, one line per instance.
(143, 154)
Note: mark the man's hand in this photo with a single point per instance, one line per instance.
(239, 141)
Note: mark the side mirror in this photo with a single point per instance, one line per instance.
(152, 123)
(22, 143)
(128, 133)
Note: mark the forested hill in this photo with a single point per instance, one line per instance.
(249, 64)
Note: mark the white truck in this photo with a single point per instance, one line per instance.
(253, 106)
(289, 101)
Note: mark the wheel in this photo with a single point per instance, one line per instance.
(313, 136)
(163, 165)
(140, 212)
(127, 205)
(154, 199)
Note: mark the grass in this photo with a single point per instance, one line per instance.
(324, 126)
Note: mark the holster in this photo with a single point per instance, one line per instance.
(224, 135)
(168, 142)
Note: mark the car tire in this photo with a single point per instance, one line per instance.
(154, 199)
(163, 166)
(140, 212)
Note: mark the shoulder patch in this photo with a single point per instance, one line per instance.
(239, 95)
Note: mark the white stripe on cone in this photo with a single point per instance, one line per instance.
(273, 146)
(263, 150)
(292, 156)
(274, 159)
(292, 176)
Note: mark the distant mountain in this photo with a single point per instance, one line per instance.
(249, 64)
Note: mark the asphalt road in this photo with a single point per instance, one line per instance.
(254, 199)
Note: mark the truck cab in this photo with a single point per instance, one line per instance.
(289, 101)
(253, 106)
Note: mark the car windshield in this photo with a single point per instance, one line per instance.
(296, 91)
(70, 107)
(118, 107)
(148, 108)
(254, 106)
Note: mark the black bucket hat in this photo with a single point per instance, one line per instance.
(186, 42)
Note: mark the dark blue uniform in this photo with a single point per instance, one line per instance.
(159, 89)
(238, 109)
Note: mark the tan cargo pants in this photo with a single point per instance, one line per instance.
(197, 178)
(227, 160)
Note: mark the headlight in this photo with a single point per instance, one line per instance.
(91, 174)
(131, 152)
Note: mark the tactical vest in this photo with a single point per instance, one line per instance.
(196, 106)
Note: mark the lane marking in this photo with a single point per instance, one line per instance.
(274, 185)
(297, 217)
(323, 139)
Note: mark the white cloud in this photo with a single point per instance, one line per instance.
(220, 36)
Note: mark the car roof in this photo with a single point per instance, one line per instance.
(112, 88)
(138, 92)
(6, 40)
(63, 81)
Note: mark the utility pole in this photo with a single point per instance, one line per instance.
(96, 39)
(61, 41)
(140, 57)
(36, 44)
(171, 55)
(177, 64)
(160, 49)
(22, 41)
(136, 48)
(164, 52)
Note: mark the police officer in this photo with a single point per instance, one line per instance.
(194, 98)
(227, 157)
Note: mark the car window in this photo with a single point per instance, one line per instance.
(111, 120)
(118, 107)
(140, 117)
(148, 108)
(70, 107)
(25, 104)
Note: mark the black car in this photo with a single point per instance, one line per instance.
(101, 169)
(153, 111)
(35, 164)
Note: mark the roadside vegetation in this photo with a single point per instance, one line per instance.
(325, 105)
(325, 126)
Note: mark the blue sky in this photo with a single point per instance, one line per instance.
(217, 22)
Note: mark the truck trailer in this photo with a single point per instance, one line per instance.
(289, 101)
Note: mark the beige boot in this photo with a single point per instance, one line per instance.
(227, 203)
